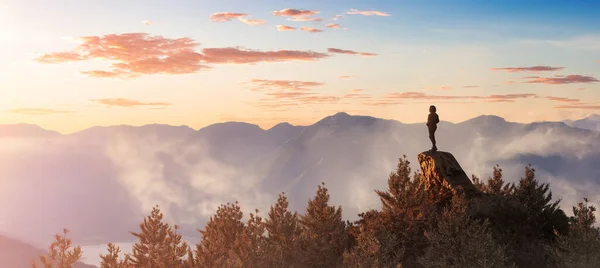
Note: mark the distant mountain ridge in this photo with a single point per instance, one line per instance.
(119, 172)
(591, 122)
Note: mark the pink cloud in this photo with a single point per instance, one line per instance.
(310, 29)
(104, 74)
(135, 54)
(563, 100)
(282, 84)
(305, 19)
(252, 21)
(528, 69)
(243, 56)
(59, 57)
(38, 111)
(282, 28)
(226, 16)
(398, 98)
(290, 12)
(350, 52)
(120, 102)
(569, 79)
(367, 13)
(337, 17)
(345, 76)
(284, 94)
(334, 26)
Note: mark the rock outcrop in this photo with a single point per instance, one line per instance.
(442, 172)
(443, 175)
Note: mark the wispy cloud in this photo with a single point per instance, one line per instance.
(337, 17)
(284, 94)
(582, 106)
(229, 16)
(345, 76)
(560, 80)
(570, 103)
(367, 13)
(310, 29)
(244, 56)
(147, 22)
(252, 21)
(226, 16)
(357, 94)
(38, 111)
(135, 54)
(291, 12)
(528, 69)
(305, 19)
(471, 86)
(334, 26)
(120, 102)
(402, 97)
(350, 52)
(562, 99)
(283, 28)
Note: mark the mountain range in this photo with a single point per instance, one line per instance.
(100, 182)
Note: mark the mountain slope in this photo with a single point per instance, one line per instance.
(16, 254)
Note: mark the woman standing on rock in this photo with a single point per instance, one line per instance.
(432, 121)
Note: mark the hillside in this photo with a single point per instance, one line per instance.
(16, 254)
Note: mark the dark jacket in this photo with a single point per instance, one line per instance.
(432, 119)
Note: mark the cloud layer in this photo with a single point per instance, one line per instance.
(368, 13)
(121, 102)
(349, 52)
(560, 80)
(135, 54)
(534, 69)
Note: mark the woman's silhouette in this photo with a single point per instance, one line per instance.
(432, 121)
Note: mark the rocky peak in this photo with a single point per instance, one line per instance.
(442, 172)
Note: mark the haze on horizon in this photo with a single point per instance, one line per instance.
(70, 65)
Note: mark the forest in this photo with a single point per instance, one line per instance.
(414, 227)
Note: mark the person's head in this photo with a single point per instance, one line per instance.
(432, 109)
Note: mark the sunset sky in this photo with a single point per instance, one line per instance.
(68, 65)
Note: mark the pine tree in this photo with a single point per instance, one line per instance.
(494, 185)
(217, 246)
(459, 241)
(283, 234)
(581, 247)
(251, 245)
(324, 238)
(365, 251)
(112, 259)
(158, 244)
(60, 253)
(543, 221)
(406, 213)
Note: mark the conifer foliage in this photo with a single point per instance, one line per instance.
(414, 228)
(284, 231)
(323, 238)
(158, 244)
(60, 254)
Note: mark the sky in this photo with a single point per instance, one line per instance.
(69, 65)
